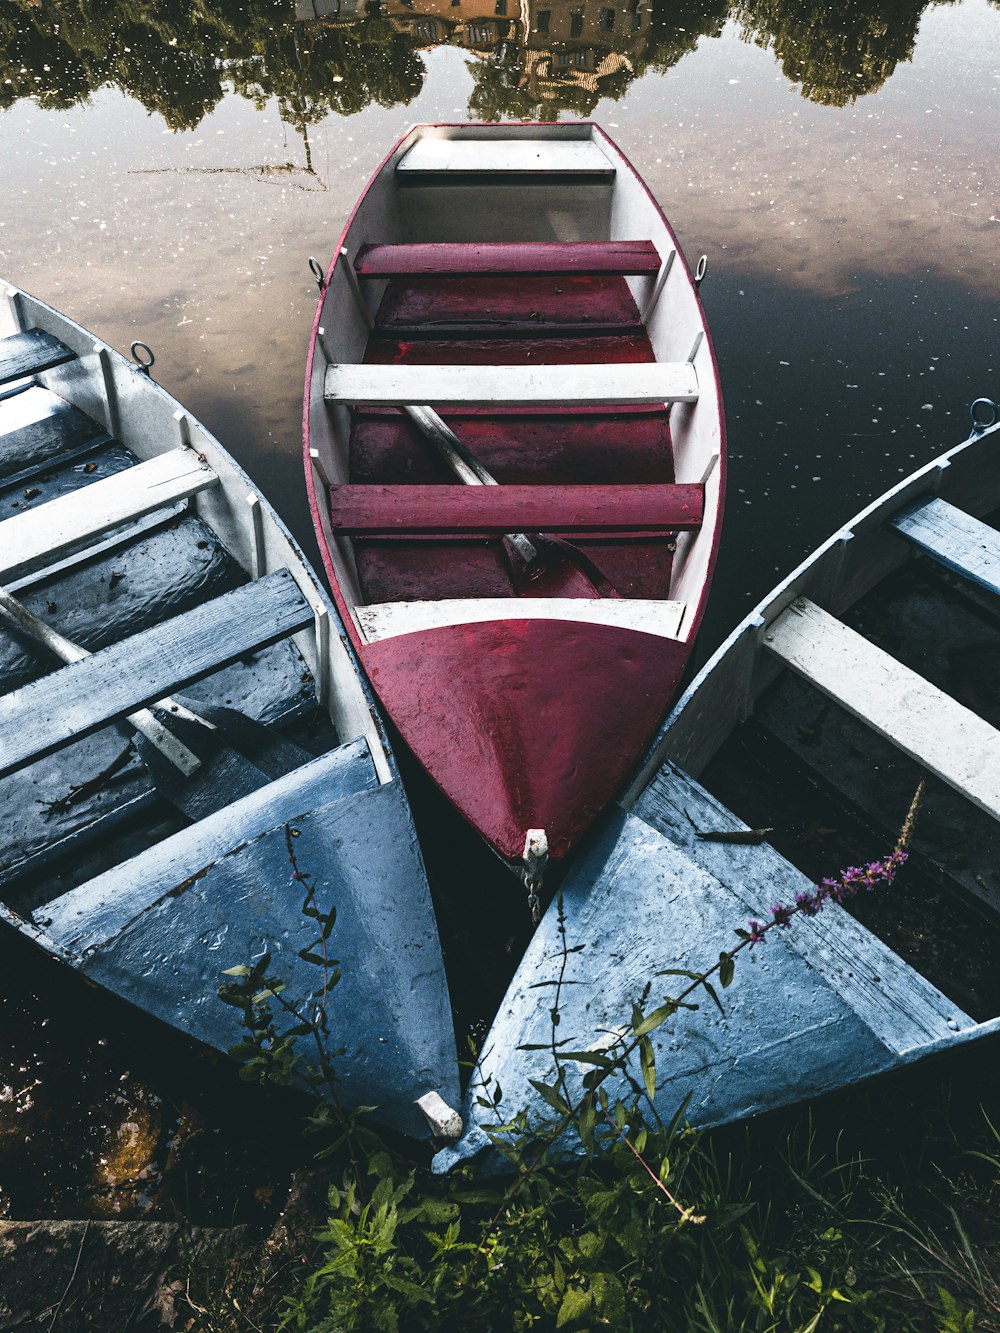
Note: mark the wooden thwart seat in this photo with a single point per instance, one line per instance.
(945, 737)
(51, 529)
(369, 510)
(96, 911)
(444, 158)
(30, 353)
(901, 1007)
(497, 259)
(954, 539)
(460, 385)
(76, 700)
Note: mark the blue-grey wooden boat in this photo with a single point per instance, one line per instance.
(154, 866)
(870, 665)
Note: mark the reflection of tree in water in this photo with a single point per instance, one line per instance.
(179, 59)
(836, 53)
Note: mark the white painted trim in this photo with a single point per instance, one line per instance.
(387, 620)
(258, 554)
(356, 293)
(664, 273)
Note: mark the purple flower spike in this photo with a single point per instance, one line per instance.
(809, 903)
(756, 932)
(781, 914)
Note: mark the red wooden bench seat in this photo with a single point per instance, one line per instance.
(367, 510)
(498, 258)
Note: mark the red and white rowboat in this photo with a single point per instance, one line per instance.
(525, 637)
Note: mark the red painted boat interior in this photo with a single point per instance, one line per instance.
(528, 305)
(572, 703)
(516, 321)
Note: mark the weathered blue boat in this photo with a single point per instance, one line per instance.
(873, 664)
(153, 840)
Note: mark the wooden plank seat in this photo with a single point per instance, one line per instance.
(77, 700)
(494, 510)
(97, 910)
(44, 533)
(498, 258)
(500, 158)
(955, 539)
(901, 1007)
(459, 385)
(943, 735)
(29, 353)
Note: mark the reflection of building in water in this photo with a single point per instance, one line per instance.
(581, 42)
(561, 42)
(479, 25)
(547, 47)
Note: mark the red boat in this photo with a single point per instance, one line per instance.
(515, 456)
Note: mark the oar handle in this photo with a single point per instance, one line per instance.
(464, 465)
(143, 720)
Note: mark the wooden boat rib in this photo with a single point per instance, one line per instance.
(520, 280)
(858, 674)
(154, 567)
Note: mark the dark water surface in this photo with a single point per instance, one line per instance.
(166, 177)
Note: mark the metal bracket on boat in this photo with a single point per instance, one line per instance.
(444, 1122)
(316, 268)
(700, 271)
(978, 424)
(139, 351)
(535, 858)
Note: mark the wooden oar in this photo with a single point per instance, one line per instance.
(189, 750)
(542, 565)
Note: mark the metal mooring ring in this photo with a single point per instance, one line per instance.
(977, 423)
(316, 268)
(138, 349)
(701, 270)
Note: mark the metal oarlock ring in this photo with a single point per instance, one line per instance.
(142, 355)
(701, 270)
(978, 424)
(316, 268)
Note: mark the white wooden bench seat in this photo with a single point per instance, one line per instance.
(943, 735)
(504, 157)
(513, 386)
(50, 530)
